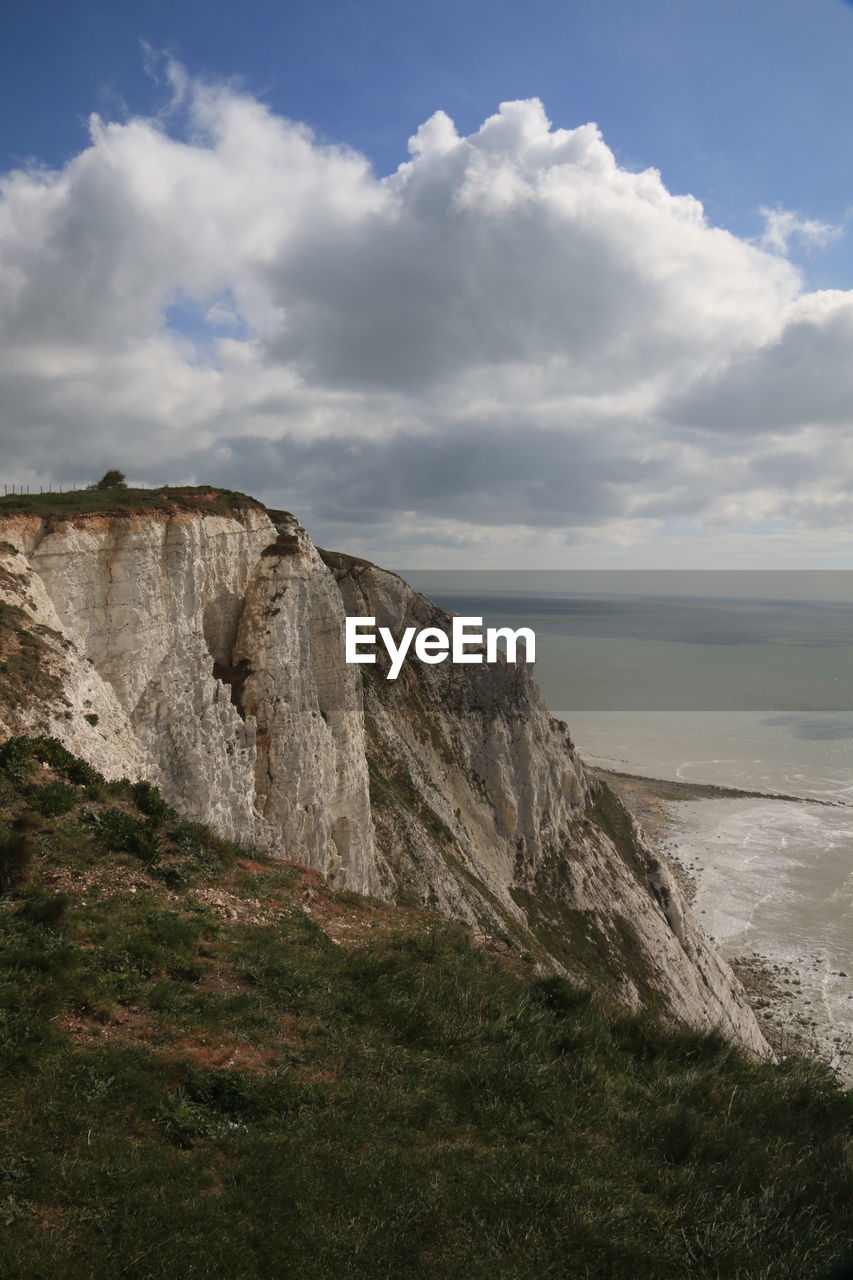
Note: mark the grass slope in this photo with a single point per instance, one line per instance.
(214, 1066)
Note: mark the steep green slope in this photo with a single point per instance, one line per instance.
(214, 1066)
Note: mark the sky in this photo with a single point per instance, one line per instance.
(567, 284)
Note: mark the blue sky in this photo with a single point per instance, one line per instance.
(522, 346)
(743, 103)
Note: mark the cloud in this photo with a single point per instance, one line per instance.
(803, 379)
(520, 244)
(783, 225)
(510, 332)
(491, 473)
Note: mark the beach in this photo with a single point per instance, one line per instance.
(768, 877)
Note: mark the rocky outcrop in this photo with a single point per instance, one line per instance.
(311, 781)
(204, 651)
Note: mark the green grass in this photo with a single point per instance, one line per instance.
(117, 501)
(186, 1094)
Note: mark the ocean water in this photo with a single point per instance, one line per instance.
(755, 694)
(666, 653)
(808, 754)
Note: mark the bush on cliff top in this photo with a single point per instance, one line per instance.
(112, 479)
(196, 1081)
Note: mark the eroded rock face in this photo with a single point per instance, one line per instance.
(205, 652)
(149, 602)
(311, 767)
(49, 686)
(205, 647)
(483, 809)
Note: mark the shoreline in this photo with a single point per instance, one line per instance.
(773, 986)
(677, 789)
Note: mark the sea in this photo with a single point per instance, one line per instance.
(749, 685)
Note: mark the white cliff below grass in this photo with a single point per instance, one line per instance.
(205, 653)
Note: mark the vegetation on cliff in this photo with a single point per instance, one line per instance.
(214, 1065)
(120, 500)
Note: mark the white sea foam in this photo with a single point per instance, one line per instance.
(774, 879)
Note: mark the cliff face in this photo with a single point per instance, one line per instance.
(483, 809)
(205, 653)
(145, 606)
(311, 781)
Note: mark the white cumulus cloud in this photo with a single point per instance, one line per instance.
(509, 330)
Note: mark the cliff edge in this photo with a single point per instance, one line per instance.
(199, 645)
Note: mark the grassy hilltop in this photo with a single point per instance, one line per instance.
(119, 500)
(213, 1065)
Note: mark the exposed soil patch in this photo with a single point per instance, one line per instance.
(221, 1052)
(230, 907)
(122, 1026)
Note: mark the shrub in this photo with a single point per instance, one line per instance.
(112, 479)
(53, 798)
(51, 751)
(148, 800)
(123, 833)
(16, 758)
(17, 852)
(44, 909)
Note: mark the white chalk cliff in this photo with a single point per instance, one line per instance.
(203, 649)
